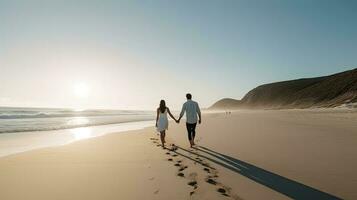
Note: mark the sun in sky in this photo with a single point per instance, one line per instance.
(81, 90)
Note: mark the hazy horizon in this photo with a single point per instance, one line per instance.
(131, 54)
(148, 109)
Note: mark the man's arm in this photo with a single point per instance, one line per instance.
(199, 113)
(157, 117)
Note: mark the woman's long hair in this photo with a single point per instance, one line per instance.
(162, 106)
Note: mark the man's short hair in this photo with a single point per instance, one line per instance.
(188, 96)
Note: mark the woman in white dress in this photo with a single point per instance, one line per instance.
(162, 123)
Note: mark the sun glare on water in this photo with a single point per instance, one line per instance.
(81, 133)
(81, 90)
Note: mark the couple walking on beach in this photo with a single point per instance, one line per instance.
(191, 109)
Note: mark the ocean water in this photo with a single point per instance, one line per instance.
(45, 119)
(25, 129)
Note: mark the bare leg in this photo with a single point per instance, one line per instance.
(162, 137)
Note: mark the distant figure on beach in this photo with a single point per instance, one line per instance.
(162, 123)
(192, 110)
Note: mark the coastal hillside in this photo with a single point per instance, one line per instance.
(226, 103)
(327, 91)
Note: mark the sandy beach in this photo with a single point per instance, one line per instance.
(291, 154)
(90, 91)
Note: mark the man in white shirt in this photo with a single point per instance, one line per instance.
(192, 110)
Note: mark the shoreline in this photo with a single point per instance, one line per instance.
(15, 142)
(9, 142)
(74, 127)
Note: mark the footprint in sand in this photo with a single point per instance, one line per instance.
(221, 190)
(183, 168)
(211, 181)
(154, 140)
(225, 191)
(206, 165)
(228, 189)
(192, 183)
(173, 147)
(181, 174)
(207, 170)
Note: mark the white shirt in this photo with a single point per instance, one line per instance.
(192, 109)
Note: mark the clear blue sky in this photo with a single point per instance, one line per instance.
(130, 54)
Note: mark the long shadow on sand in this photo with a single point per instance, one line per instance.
(274, 181)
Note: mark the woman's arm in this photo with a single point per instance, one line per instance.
(157, 116)
(168, 110)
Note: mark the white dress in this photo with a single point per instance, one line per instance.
(163, 122)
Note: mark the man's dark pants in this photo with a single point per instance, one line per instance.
(191, 131)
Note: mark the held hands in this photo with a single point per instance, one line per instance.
(178, 121)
